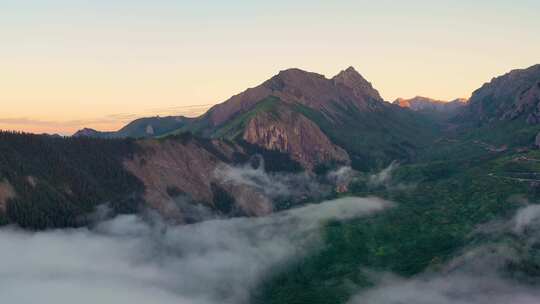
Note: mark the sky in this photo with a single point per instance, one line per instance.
(68, 64)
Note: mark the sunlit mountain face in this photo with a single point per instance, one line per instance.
(268, 153)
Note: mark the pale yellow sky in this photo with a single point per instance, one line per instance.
(69, 64)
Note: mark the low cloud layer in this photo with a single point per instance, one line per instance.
(480, 275)
(451, 289)
(131, 260)
(384, 176)
(385, 179)
(281, 185)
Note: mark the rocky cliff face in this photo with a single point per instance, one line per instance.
(529, 102)
(312, 90)
(179, 174)
(507, 97)
(292, 133)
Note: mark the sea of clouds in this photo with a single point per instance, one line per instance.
(133, 259)
(144, 259)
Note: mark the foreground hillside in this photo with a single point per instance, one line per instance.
(54, 182)
(48, 181)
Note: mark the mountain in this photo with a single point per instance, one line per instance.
(50, 182)
(341, 114)
(515, 95)
(297, 121)
(467, 194)
(427, 104)
(312, 90)
(506, 110)
(89, 132)
(143, 127)
(314, 119)
(286, 130)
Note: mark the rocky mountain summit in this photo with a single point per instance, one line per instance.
(420, 103)
(295, 86)
(313, 119)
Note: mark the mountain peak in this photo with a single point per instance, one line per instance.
(296, 74)
(294, 71)
(87, 132)
(360, 86)
(296, 86)
(507, 97)
(349, 72)
(419, 103)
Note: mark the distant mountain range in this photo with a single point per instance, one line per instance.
(140, 128)
(420, 103)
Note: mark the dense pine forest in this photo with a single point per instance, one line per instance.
(58, 181)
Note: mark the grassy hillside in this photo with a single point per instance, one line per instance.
(156, 125)
(376, 138)
(234, 128)
(141, 128)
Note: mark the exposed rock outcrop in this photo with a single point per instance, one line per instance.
(6, 192)
(292, 133)
(172, 167)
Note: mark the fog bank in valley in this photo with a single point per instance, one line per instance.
(130, 260)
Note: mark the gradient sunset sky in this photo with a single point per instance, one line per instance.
(66, 64)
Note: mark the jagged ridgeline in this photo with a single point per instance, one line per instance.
(321, 121)
(316, 120)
